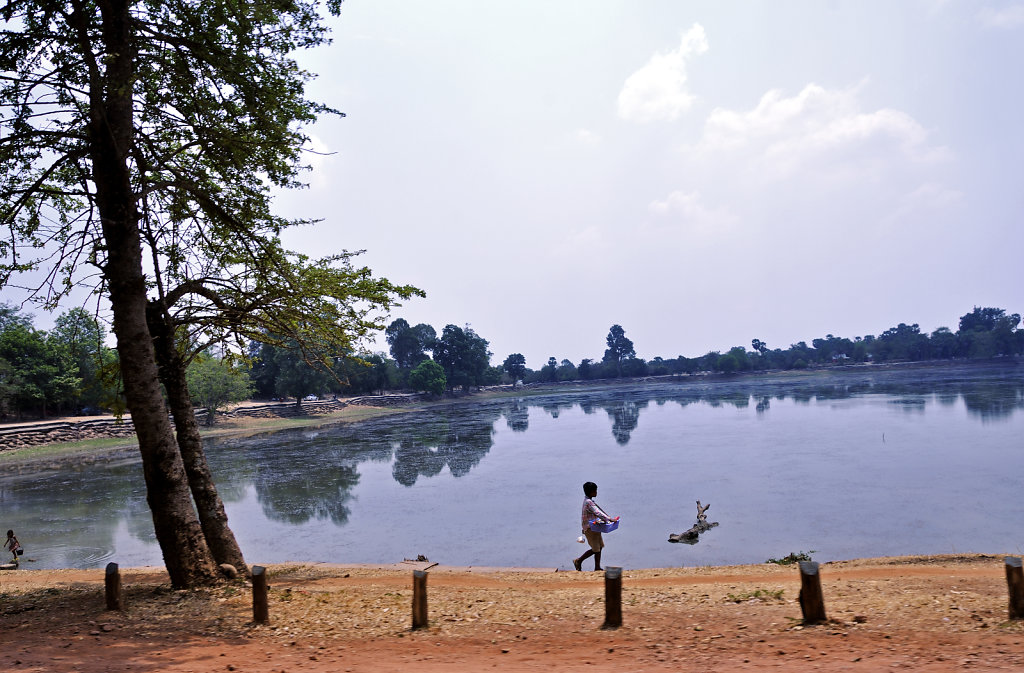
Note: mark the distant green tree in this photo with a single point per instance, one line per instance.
(463, 355)
(549, 372)
(943, 344)
(215, 382)
(566, 371)
(658, 367)
(727, 364)
(262, 369)
(428, 376)
(586, 369)
(903, 342)
(988, 332)
(708, 362)
(515, 366)
(634, 367)
(371, 373)
(733, 361)
(988, 319)
(492, 376)
(619, 348)
(38, 372)
(295, 376)
(83, 336)
(408, 344)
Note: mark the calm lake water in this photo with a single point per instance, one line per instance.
(848, 464)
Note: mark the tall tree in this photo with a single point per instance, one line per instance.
(38, 372)
(619, 348)
(408, 344)
(464, 356)
(132, 126)
(83, 336)
(987, 332)
(515, 366)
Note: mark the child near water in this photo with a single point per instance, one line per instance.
(12, 544)
(590, 512)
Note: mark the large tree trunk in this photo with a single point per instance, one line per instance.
(111, 131)
(212, 517)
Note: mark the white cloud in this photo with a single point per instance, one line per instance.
(689, 208)
(927, 198)
(817, 128)
(658, 91)
(1008, 17)
(933, 7)
(586, 137)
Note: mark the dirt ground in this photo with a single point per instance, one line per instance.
(926, 614)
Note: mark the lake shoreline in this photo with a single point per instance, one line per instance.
(53, 456)
(927, 613)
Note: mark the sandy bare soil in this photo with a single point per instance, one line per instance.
(924, 614)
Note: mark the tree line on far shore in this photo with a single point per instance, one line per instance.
(69, 369)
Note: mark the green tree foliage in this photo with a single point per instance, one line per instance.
(215, 382)
(566, 371)
(989, 332)
(428, 376)
(408, 344)
(83, 336)
(368, 373)
(161, 129)
(515, 366)
(290, 373)
(619, 348)
(463, 355)
(549, 372)
(943, 344)
(37, 372)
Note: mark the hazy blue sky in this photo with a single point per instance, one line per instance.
(701, 173)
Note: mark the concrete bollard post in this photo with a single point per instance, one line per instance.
(1015, 584)
(112, 587)
(812, 601)
(260, 605)
(612, 597)
(419, 599)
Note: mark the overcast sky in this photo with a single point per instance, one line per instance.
(702, 173)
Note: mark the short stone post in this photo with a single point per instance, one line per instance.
(419, 599)
(260, 606)
(1015, 583)
(112, 587)
(612, 597)
(812, 601)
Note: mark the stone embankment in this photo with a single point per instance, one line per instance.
(18, 436)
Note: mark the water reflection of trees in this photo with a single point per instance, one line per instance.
(517, 415)
(625, 415)
(79, 510)
(987, 394)
(303, 475)
(298, 475)
(458, 442)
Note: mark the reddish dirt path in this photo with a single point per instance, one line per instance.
(924, 614)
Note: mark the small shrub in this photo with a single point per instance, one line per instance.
(792, 558)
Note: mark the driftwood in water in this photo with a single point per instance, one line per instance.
(702, 525)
